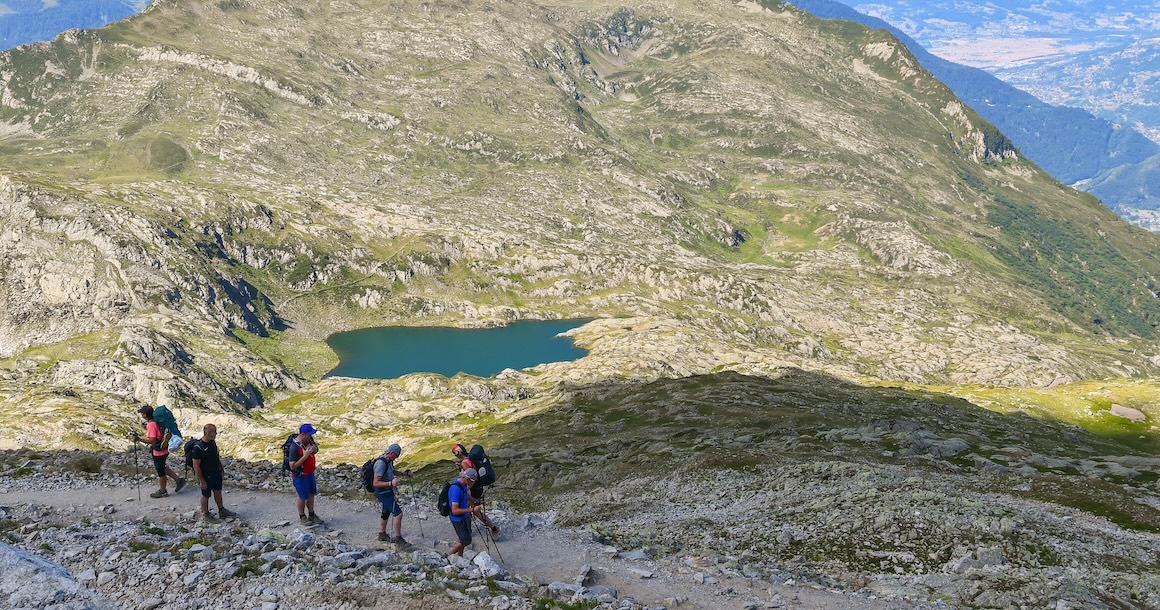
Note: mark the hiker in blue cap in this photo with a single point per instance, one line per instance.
(385, 484)
(301, 458)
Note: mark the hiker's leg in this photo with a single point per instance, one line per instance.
(159, 466)
(214, 484)
(302, 488)
(463, 533)
(387, 500)
(477, 500)
(397, 511)
(312, 485)
(204, 499)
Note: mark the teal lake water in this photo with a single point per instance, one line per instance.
(389, 352)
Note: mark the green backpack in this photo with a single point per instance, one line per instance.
(168, 424)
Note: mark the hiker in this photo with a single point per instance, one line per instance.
(462, 510)
(207, 465)
(302, 450)
(476, 489)
(154, 437)
(385, 484)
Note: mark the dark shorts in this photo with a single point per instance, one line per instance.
(306, 486)
(212, 483)
(390, 506)
(476, 493)
(463, 530)
(159, 464)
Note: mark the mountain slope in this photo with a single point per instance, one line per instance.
(765, 214)
(217, 187)
(1070, 143)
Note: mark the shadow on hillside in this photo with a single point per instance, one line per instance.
(613, 432)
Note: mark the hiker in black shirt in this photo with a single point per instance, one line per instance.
(207, 465)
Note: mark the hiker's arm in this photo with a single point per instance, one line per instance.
(197, 471)
(379, 482)
(457, 511)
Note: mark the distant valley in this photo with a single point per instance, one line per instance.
(1110, 159)
(24, 21)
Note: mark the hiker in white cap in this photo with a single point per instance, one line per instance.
(462, 510)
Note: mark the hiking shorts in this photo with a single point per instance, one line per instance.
(159, 464)
(212, 483)
(305, 485)
(390, 506)
(463, 530)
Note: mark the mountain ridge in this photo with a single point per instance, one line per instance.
(1075, 146)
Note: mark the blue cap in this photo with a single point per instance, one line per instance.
(307, 429)
(395, 449)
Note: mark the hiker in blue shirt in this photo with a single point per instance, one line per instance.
(385, 484)
(462, 510)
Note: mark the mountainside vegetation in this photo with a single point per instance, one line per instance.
(748, 201)
(795, 191)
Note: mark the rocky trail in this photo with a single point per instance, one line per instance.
(121, 552)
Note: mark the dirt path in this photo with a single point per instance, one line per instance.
(546, 553)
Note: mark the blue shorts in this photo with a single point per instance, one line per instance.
(305, 485)
(390, 506)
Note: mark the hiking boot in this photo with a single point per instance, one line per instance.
(384, 537)
(495, 531)
(314, 518)
(160, 493)
(226, 513)
(180, 484)
(208, 516)
(303, 520)
(399, 540)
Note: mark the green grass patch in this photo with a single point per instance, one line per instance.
(305, 358)
(1097, 497)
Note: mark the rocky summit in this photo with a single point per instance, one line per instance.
(840, 329)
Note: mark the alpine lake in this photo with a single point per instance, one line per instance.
(394, 351)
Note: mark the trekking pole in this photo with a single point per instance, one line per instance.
(136, 471)
(489, 542)
(398, 497)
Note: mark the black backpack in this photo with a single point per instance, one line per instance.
(445, 497)
(482, 465)
(286, 452)
(368, 474)
(189, 445)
